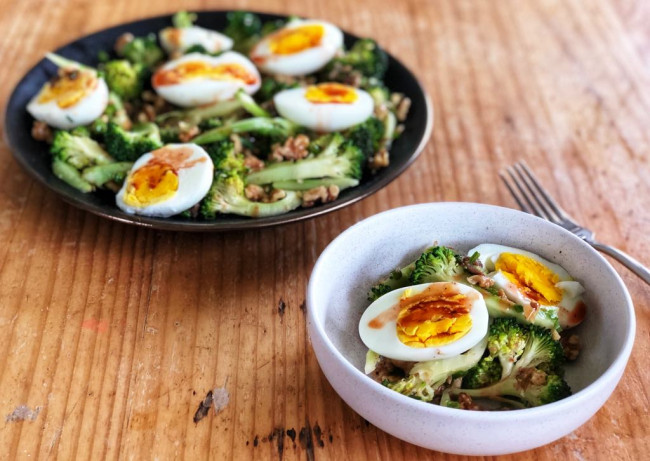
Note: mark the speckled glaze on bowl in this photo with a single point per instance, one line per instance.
(336, 298)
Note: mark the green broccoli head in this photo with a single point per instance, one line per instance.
(270, 87)
(507, 339)
(127, 146)
(183, 19)
(224, 157)
(485, 373)
(124, 78)
(143, 50)
(367, 136)
(438, 264)
(378, 291)
(379, 93)
(78, 151)
(227, 196)
(541, 349)
(363, 63)
(244, 28)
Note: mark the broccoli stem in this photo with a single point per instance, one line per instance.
(199, 114)
(249, 104)
(318, 167)
(101, 174)
(306, 184)
(268, 126)
(70, 175)
(390, 124)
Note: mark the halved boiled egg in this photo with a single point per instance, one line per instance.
(181, 38)
(197, 79)
(72, 98)
(325, 107)
(299, 48)
(533, 282)
(425, 322)
(166, 181)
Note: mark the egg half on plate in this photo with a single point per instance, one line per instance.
(175, 39)
(533, 282)
(325, 107)
(197, 79)
(299, 48)
(72, 98)
(425, 322)
(167, 181)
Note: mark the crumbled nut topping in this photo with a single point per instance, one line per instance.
(294, 148)
(380, 160)
(322, 193)
(42, 132)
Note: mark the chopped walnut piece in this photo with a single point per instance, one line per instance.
(294, 148)
(252, 162)
(571, 346)
(254, 192)
(481, 280)
(466, 403)
(322, 193)
(527, 377)
(41, 131)
(403, 109)
(187, 134)
(122, 41)
(380, 160)
(275, 195)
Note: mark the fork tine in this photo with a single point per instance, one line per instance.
(551, 204)
(514, 194)
(520, 185)
(538, 194)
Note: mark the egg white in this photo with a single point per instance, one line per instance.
(323, 117)
(85, 111)
(572, 290)
(211, 40)
(200, 91)
(193, 184)
(385, 342)
(303, 62)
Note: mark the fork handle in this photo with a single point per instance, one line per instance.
(625, 259)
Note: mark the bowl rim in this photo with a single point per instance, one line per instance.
(615, 369)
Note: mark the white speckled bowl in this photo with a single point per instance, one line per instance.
(336, 298)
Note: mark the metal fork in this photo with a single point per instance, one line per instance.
(532, 198)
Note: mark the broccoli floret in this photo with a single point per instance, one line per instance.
(127, 146)
(506, 342)
(224, 157)
(438, 264)
(380, 290)
(99, 175)
(485, 373)
(363, 62)
(326, 145)
(78, 151)
(426, 377)
(270, 87)
(70, 175)
(227, 196)
(114, 113)
(367, 136)
(540, 349)
(398, 278)
(184, 19)
(124, 78)
(348, 163)
(244, 28)
(142, 50)
(278, 128)
(530, 387)
(379, 93)
(82, 131)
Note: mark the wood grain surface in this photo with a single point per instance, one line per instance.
(111, 335)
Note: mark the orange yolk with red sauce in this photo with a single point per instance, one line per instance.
(532, 278)
(331, 93)
(68, 88)
(152, 183)
(433, 318)
(198, 69)
(297, 39)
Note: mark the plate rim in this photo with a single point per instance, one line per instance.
(76, 199)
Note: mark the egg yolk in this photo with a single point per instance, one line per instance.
(433, 318)
(296, 39)
(198, 69)
(331, 93)
(152, 183)
(534, 279)
(68, 88)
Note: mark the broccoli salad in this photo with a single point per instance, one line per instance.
(255, 120)
(489, 330)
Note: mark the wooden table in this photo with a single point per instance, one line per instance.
(111, 335)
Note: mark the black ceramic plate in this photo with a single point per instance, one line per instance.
(34, 156)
